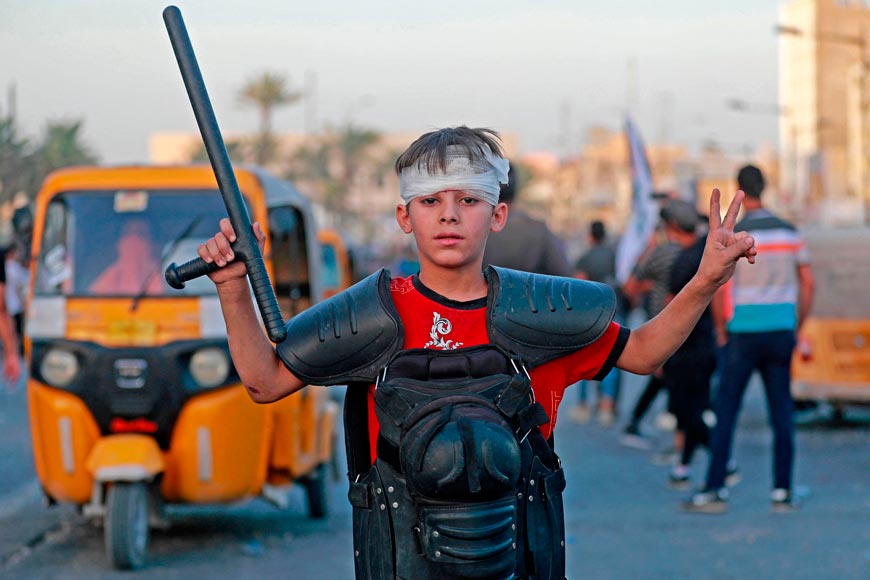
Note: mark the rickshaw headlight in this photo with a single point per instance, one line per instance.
(59, 367)
(209, 367)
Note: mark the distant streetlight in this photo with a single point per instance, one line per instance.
(744, 106)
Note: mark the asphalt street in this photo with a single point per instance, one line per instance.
(622, 520)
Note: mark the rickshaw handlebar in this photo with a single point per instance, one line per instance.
(245, 247)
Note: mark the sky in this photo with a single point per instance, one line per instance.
(545, 70)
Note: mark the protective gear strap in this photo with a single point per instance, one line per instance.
(540, 318)
(349, 337)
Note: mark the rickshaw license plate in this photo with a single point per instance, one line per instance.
(130, 373)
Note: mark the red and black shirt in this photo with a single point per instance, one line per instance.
(433, 321)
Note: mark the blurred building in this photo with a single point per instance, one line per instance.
(593, 184)
(824, 83)
(357, 191)
(596, 183)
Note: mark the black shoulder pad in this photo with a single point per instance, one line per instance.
(349, 337)
(540, 318)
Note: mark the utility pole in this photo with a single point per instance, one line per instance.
(11, 103)
(565, 131)
(309, 103)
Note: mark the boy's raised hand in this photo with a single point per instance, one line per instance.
(217, 249)
(725, 248)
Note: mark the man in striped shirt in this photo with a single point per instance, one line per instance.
(762, 309)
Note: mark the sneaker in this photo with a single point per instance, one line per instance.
(580, 414)
(709, 418)
(667, 457)
(732, 475)
(606, 417)
(781, 502)
(707, 502)
(679, 482)
(632, 437)
(666, 422)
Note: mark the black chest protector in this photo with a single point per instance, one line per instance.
(465, 486)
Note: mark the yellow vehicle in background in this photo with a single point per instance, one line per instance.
(134, 400)
(336, 266)
(835, 365)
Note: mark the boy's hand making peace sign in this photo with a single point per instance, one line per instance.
(724, 247)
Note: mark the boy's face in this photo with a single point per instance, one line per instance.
(450, 227)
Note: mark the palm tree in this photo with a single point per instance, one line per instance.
(14, 162)
(353, 143)
(337, 163)
(234, 150)
(61, 146)
(23, 166)
(267, 92)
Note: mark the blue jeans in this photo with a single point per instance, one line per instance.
(770, 353)
(609, 385)
(606, 388)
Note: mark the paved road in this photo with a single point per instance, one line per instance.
(622, 520)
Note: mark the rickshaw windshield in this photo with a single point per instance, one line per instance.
(118, 243)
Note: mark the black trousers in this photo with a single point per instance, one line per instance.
(688, 375)
(653, 386)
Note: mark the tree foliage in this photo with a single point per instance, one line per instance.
(62, 146)
(15, 168)
(338, 162)
(24, 163)
(267, 92)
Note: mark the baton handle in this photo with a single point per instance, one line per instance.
(245, 247)
(176, 276)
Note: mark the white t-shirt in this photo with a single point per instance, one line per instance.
(17, 280)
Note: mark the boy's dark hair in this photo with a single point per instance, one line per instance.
(751, 181)
(597, 230)
(429, 151)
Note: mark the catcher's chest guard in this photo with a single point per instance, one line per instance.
(465, 485)
(352, 335)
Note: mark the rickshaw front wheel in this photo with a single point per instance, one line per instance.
(126, 527)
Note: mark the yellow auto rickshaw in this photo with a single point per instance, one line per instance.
(833, 363)
(336, 267)
(134, 400)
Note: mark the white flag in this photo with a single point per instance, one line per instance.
(644, 209)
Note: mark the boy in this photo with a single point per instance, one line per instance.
(462, 371)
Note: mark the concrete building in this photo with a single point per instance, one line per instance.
(823, 82)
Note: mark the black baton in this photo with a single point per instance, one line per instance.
(245, 247)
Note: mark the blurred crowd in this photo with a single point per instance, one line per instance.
(705, 380)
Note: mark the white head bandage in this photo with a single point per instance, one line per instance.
(480, 178)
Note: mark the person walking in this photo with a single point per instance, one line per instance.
(525, 243)
(17, 281)
(649, 281)
(689, 370)
(765, 307)
(598, 264)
